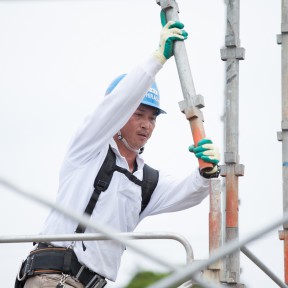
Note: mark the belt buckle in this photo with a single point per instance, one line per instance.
(95, 282)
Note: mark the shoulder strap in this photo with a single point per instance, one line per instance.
(104, 177)
(101, 183)
(150, 180)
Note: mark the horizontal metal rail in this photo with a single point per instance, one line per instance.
(96, 236)
(84, 220)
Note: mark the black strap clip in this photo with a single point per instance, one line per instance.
(101, 185)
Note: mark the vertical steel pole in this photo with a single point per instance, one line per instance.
(232, 169)
(283, 135)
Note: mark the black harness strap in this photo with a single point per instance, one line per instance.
(129, 175)
(104, 177)
(150, 180)
(101, 183)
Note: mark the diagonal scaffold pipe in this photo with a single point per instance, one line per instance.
(187, 272)
(192, 103)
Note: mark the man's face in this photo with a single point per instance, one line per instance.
(140, 126)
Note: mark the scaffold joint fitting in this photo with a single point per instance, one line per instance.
(165, 4)
(232, 53)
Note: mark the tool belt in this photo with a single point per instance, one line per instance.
(47, 259)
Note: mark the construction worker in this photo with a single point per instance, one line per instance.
(122, 123)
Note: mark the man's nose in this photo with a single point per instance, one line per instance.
(145, 123)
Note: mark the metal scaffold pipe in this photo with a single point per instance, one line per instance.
(263, 267)
(215, 221)
(283, 135)
(98, 236)
(192, 103)
(213, 271)
(232, 169)
(86, 221)
(189, 271)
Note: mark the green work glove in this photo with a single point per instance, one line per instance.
(172, 31)
(206, 151)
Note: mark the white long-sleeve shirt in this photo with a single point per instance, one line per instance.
(119, 206)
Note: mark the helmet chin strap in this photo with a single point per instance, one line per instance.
(120, 137)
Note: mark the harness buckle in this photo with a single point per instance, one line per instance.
(101, 185)
(101, 283)
(96, 282)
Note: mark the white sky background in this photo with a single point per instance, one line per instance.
(56, 60)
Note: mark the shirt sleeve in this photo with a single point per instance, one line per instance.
(173, 194)
(112, 113)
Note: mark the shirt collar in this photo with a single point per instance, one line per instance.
(139, 158)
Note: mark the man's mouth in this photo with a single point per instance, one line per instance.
(143, 135)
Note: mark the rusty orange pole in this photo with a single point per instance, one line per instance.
(283, 235)
(215, 221)
(213, 272)
(192, 103)
(232, 208)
